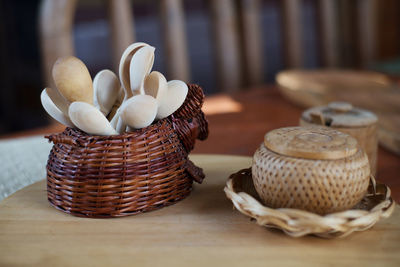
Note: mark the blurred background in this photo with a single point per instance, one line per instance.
(223, 45)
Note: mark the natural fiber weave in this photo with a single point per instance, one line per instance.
(190, 130)
(375, 205)
(193, 103)
(111, 176)
(320, 186)
(189, 121)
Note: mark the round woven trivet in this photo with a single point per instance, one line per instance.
(375, 205)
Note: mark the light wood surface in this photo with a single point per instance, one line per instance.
(317, 143)
(202, 230)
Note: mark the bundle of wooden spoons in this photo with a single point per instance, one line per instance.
(108, 105)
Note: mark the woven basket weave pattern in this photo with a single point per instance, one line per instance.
(193, 103)
(117, 177)
(139, 171)
(321, 186)
(189, 121)
(375, 205)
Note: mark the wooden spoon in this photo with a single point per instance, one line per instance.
(125, 71)
(53, 110)
(89, 119)
(139, 111)
(73, 80)
(112, 116)
(61, 103)
(106, 90)
(173, 98)
(155, 85)
(124, 66)
(141, 64)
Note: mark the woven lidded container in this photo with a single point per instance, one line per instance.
(310, 168)
(120, 175)
(342, 116)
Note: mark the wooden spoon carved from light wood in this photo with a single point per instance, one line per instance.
(156, 85)
(141, 64)
(106, 90)
(112, 116)
(60, 101)
(172, 99)
(73, 80)
(89, 119)
(139, 111)
(124, 66)
(53, 110)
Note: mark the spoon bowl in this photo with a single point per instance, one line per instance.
(73, 80)
(141, 64)
(61, 103)
(89, 119)
(106, 90)
(172, 99)
(155, 85)
(53, 110)
(124, 66)
(139, 111)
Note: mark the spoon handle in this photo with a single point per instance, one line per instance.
(121, 126)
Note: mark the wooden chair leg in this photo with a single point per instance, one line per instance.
(56, 20)
(367, 24)
(328, 21)
(293, 32)
(252, 41)
(227, 50)
(122, 28)
(173, 28)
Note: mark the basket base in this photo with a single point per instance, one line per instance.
(117, 213)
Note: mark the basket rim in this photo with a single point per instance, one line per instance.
(133, 132)
(297, 223)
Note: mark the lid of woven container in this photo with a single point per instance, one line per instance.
(339, 114)
(311, 143)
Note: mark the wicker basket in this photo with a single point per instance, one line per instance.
(139, 171)
(312, 168)
(376, 204)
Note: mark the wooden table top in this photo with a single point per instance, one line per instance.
(239, 121)
(202, 230)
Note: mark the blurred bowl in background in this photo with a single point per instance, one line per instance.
(366, 89)
(309, 88)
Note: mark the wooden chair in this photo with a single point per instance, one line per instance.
(236, 35)
(56, 24)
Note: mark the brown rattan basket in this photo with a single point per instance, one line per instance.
(139, 171)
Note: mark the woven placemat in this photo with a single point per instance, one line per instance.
(375, 205)
(22, 162)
